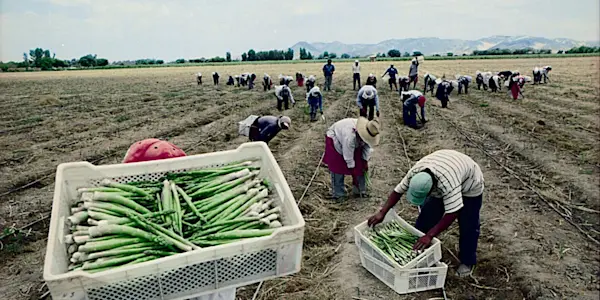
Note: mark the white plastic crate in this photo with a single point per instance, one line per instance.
(183, 275)
(427, 258)
(404, 281)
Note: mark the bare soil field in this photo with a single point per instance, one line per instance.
(540, 219)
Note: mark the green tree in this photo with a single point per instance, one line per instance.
(26, 60)
(244, 56)
(46, 63)
(394, 53)
(251, 55)
(160, 62)
(102, 62)
(228, 56)
(345, 56)
(289, 54)
(88, 60)
(450, 54)
(406, 54)
(36, 55)
(332, 55)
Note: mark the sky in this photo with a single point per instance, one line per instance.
(171, 29)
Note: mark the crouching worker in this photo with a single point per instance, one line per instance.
(199, 78)
(443, 92)
(404, 83)
(283, 93)
(155, 149)
(372, 80)
(368, 101)
(315, 100)
(348, 148)
(446, 185)
(429, 83)
(463, 81)
(267, 82)
(230, 80)
(411, 100)
(265, 128)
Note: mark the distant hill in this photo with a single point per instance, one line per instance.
(431, 45)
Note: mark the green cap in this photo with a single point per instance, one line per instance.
(419, 188)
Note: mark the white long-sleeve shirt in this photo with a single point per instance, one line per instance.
(343, 133)
(279, 88)
(361, 92)
(355, 69)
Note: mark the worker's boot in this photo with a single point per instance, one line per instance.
(313, 117)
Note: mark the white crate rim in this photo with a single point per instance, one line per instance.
(287, 235)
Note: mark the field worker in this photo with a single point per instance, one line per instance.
(372, 80)
(494, 83)
(411, 100)
(244, 79)
(310, 82)
(505, 75)
(315, 100)
(404, 83)
(463, 81)
(392, 72)
(367, 100)
(479, 80)
(429, 83)
(348, 148)
(215, 76)
(413, 72)
(230, 80)
(155, 149)
(284, 96)
(546, 72)
(199, 78)
(265, 128)
(251, 79)
(446, 185)
(355, 75)
(237, 80)
(514, 85)
(328, 70)
(299, 79)
(267, 82)
(443, 92)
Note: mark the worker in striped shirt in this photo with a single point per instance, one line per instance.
(447, 185)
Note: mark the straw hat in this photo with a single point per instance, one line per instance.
(369, 94)
(285, 122)
(369, 131)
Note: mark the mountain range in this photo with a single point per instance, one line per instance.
(432, 45)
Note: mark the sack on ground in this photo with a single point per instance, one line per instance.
(244, 126)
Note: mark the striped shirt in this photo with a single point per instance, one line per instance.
(456, 174)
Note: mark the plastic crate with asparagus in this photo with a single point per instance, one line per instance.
(119, 224)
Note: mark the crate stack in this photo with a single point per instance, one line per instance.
(425, 272)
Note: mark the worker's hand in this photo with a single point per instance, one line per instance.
(294, 104)
(423, 242)
(376, 219)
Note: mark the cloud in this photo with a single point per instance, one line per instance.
(70, 2)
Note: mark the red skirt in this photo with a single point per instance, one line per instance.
(336, 163)
(514, 90)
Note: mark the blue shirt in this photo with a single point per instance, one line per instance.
(318, 100)
(268, 128)
(328, 69)
(412, 101)
(392, 72)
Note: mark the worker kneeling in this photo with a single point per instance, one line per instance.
(411, 100)
(367, 100)
(315, 101)
(348, 147)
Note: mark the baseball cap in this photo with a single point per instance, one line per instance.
(418, 188)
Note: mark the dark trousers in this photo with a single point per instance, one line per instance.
(314, 107)
(328, 80)
(355, 79)
(468, 223)
(444, 101)
(250, 84)
(392, 81)
(368, 106)
(215, 80)
(465, 85)
(283, 103)
(409, 115)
